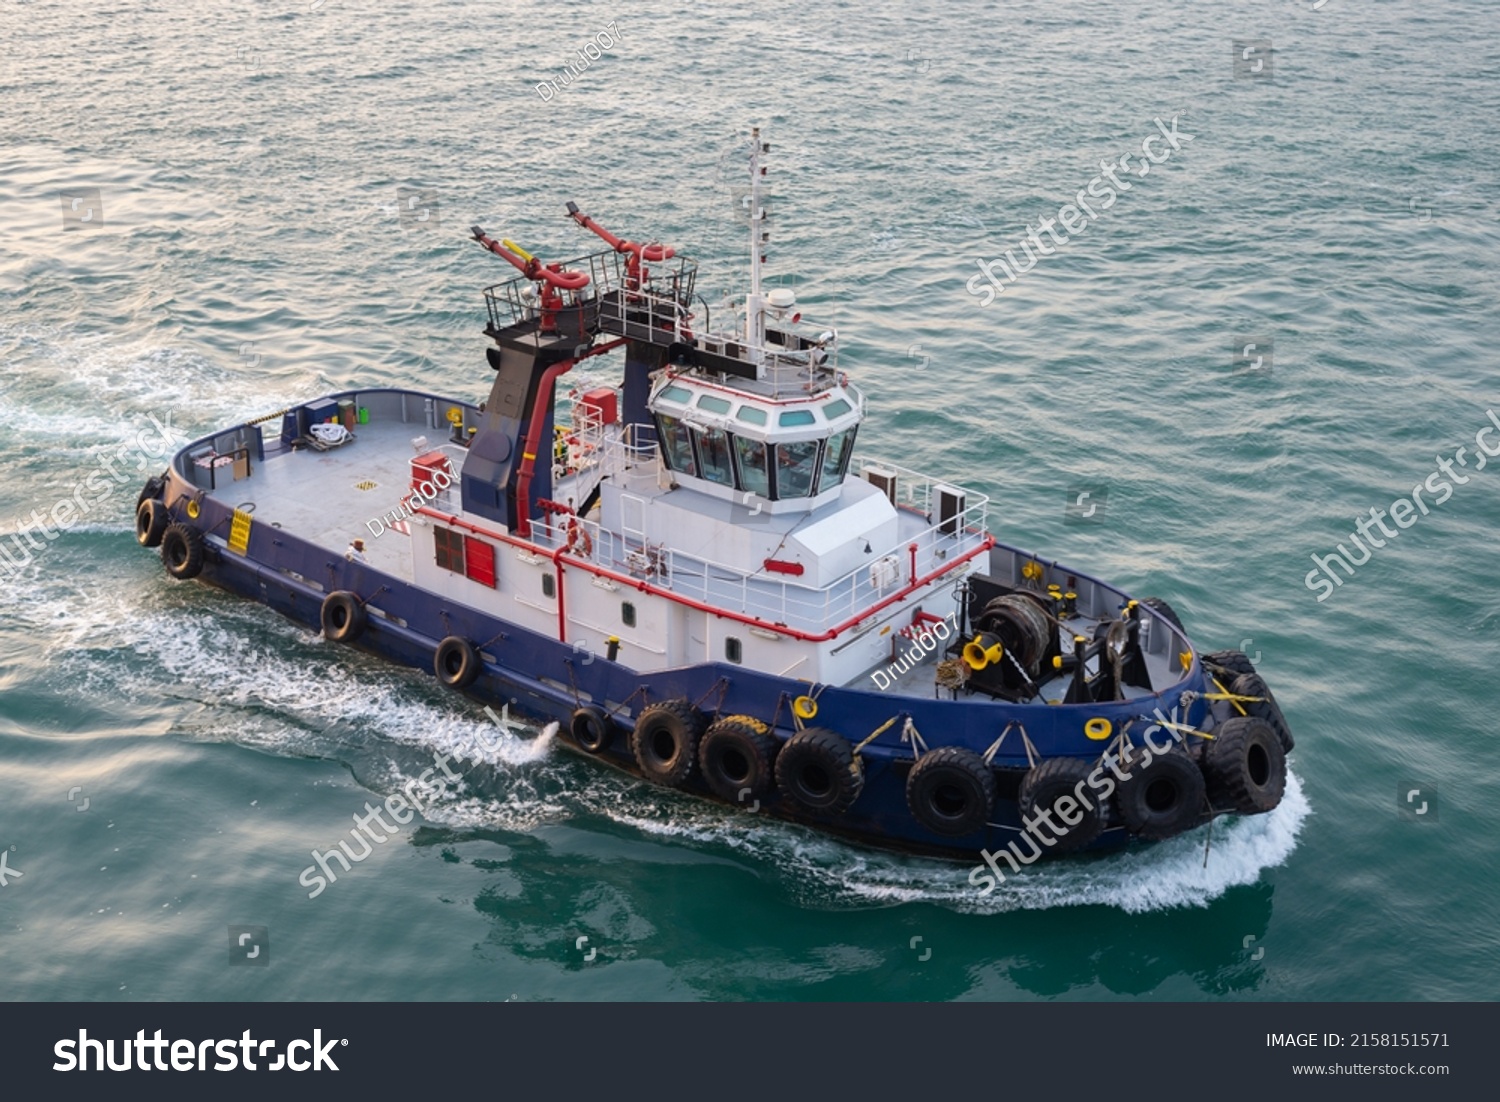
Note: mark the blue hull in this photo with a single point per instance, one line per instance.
(541, 678)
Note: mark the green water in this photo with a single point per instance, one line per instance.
(250, 253)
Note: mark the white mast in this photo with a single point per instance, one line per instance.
(755, 304)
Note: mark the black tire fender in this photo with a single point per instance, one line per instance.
(665, 741)
(1228, 664)
(1159, 606)
(151, 521)
(1162, 797)
(1044, 786)
(950, 791)
(1245, 765)
(153, 488)
(817, 770)
(182, 551)
(737, 759)
(455, 662)
(592, 728)
(343, 617)
(1266, 708)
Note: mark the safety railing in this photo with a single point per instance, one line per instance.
(941, 542)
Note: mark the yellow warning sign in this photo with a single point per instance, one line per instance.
(239, 532)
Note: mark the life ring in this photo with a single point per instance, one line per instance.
(665, 742)
(592, 728)
(818, 771)
(1245, 765)
(656, 252)
(455, 663)
(578, 539)
(737, 757)
(951, 791)
(182, 551)
(1161, 798)
(1043, 788)
(805, 707)
(151, 520)
(1098, 729)
(343, 617)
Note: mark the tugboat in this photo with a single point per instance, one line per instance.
(694, 576)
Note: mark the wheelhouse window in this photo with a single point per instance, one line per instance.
(677, 445)
(713, 456)
(796, 466)
(750, 456)
(836, 459)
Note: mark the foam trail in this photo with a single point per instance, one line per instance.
(278, 687)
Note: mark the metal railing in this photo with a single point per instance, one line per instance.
(773, 599)
(515, 302)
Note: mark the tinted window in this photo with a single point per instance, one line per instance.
(713, 405)
(713, 456)
(794, 417)
(676, 445)
(795, 466)
(751, 455)
(836, 459)
(751, 415)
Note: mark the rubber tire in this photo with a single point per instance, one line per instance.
(182, 551)
(665, 742)
(1252, 684)
(153, 488)
(817, 771)
(737, 759)
(151, 520)
(1234, 661)
(592, 729)
(1173, 774)
(459, 676)
(1157, 604)
(343, 617)
(950, 791)
(1049, 781)
(1246, 765)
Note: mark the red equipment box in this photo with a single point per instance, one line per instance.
(423, 467)
(598, 407)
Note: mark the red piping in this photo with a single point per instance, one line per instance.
(534, 433)
(552, 274)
